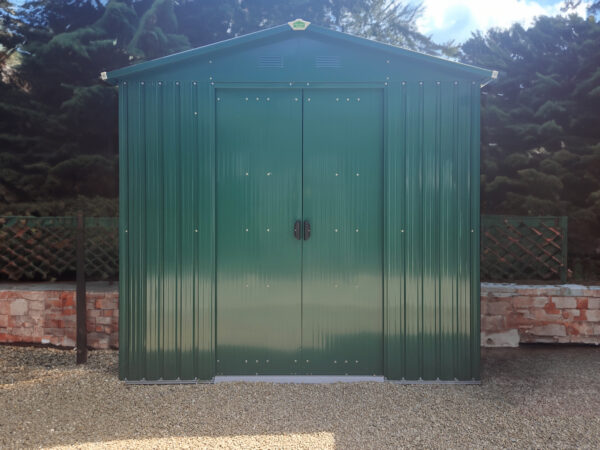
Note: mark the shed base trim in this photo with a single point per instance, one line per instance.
(298, 379)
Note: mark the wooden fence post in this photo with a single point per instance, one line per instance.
(81, 302)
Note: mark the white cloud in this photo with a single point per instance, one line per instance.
(456, 19)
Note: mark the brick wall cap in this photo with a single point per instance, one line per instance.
(92, 286)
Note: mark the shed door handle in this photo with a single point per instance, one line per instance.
(297, 226)
(306, 230)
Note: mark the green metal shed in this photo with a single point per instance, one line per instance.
(299, 202)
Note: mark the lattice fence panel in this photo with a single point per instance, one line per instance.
(523, 248)
(44, 248)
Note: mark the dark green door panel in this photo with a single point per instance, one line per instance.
(259, 179)
(342, 321)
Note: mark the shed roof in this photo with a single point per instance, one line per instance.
(281, 30)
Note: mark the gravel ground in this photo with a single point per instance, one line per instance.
(535, 397)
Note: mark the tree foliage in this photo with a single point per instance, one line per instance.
(541, 125)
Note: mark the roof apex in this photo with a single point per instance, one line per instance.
(293, 26)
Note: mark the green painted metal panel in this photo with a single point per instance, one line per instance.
(166, 251)
(259, 187)
(342, 274)
(431, 231)
(427, 192)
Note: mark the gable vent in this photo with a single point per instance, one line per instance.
(273, 62)
(332, 62)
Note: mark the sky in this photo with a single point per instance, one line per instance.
(455, 20)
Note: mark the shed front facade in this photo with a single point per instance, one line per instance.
(299, 202)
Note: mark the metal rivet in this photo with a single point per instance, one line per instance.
(268, 230)
(177, 83)
(212, 83)
(437, 82)
(472, 231)
(124, 83)
(195, 113)
(267, 361)
(404, 83)
(268, 174)
(347, 99)
(194, 83)
(210, 78)
(472, 82)
(335, 230)
(357, 174)
(196, 230)
(218, 360)
(455, 83)
(307, 360)
(246, 173)
(385, 84)
(290, 83)
(126, 231)
(246, 230)
(295, 359)
(356, 230)
(334, 361)
(268, 99)
(356, 361)
(387, 78)
(246, 361)
(337, 174)
(142, 83)
(308, 99)
(295, 99)
(246, 98)
(401, 231)
(160, 83)
(420, 83)
(308, 84)
(257, 98)
(210, 61)
(257, 361)
(387, 61)
(358, 99)
(346, 361)
(218, 99)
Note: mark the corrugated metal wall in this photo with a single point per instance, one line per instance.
(166, 231)
(432, 231)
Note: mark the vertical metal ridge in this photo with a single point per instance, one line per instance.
(141, 228)
(437, 221)
(475, 225)
(455, 248)
(124, 325)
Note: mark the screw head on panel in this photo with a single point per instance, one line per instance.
(307, 360)
(196, 230)
(401, 231)
(347, 99)
(268, 99)
(195, 113)
(295, 99)
(404, 83)
(357, 174)
(246, 361)
(358, 99)
(308, 99)
(218, 99)
(335, 230)
(387, 61)
(337, 174)
(437, 82)
(257, 98)
(268, 285)
(334, 361)
(346, 361)
(455, 83)
(268, 174)
(212, 83)
(356, 230)
(246, 230)
(177, 83)
(210, 61)
(142, 83)
(385, 84)
(268, 230)
(337, 99)
(124, 83)
(420, 83)
(246, 98)
(308, 84)
(194, 83)
(246, 173)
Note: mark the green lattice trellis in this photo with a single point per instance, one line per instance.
(43, 248)
(523, 248)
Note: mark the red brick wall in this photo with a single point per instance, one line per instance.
(511, 314)
(45, 314)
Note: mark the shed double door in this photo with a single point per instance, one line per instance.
(290, 301)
